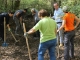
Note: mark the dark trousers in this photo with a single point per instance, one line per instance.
(19, 27)
(69, 44)
(37, 33)
(2, 31)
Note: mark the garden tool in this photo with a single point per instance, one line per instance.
(58, 46)
(14, 37)
(4, 44)
(27, 42)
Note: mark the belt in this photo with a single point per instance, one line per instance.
(59, 22)
(68, 31)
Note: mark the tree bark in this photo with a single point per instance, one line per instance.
(59, 2)
(52, 1)
(12, 5)
(5, 4)
(17, 4)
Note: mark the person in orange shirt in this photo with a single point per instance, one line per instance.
(69, 28)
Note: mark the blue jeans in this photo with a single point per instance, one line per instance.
(69, 45)
(50, 45)
(60, 34)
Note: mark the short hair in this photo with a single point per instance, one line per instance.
(56, 3)
(42, 13)
(26, 9)
(33, 10)
(11, 12)
(65, 9)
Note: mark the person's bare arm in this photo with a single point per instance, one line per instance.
(17, 14)
(21, 19)
(78, 21)
(62, 26)
(8, 27)
(31, 31)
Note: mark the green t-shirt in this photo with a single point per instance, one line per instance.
(47, 27)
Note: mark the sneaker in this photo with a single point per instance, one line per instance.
(61, 45)
(72, 58)
(62, 58)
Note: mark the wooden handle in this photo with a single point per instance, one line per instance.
(58, 46)
(13, 36)
(4, 29)
(24, 28)
(27, 42)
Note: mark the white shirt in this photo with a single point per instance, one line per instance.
(58, 14)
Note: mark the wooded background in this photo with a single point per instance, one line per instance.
(19, 51)
(6, 5)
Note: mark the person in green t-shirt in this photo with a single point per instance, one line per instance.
(47, 28)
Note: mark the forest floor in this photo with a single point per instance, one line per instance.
(19, 51)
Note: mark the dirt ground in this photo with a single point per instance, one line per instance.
(19, 51)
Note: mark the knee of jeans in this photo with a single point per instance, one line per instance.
(40, 53)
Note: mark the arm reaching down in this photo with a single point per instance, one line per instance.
(8, 27)
(63, 23)
(31, 31)
(78, 21)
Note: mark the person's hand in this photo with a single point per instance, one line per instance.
(75, 27)
(9, 29)
(25, 34)
(57, 31)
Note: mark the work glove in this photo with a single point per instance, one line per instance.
(26, 34)
(9, 29)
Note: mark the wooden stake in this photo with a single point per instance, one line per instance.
(27, 42)
(58, 46)
(14, 37)
(4, 44)
(4, 29)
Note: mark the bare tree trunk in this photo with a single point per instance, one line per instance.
(52, 2)
(5, 1)
(12, 5)
(17, 4)
(59, 2)
(52, 5)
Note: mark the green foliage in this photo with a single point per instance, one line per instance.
(73, 5)
(35, 4)
(6, 7)
(38, 4)
(16, 5)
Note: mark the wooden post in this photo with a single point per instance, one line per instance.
(4, 29)
(27, 42)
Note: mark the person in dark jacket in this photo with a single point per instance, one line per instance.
(7, 17)
(18, 18)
